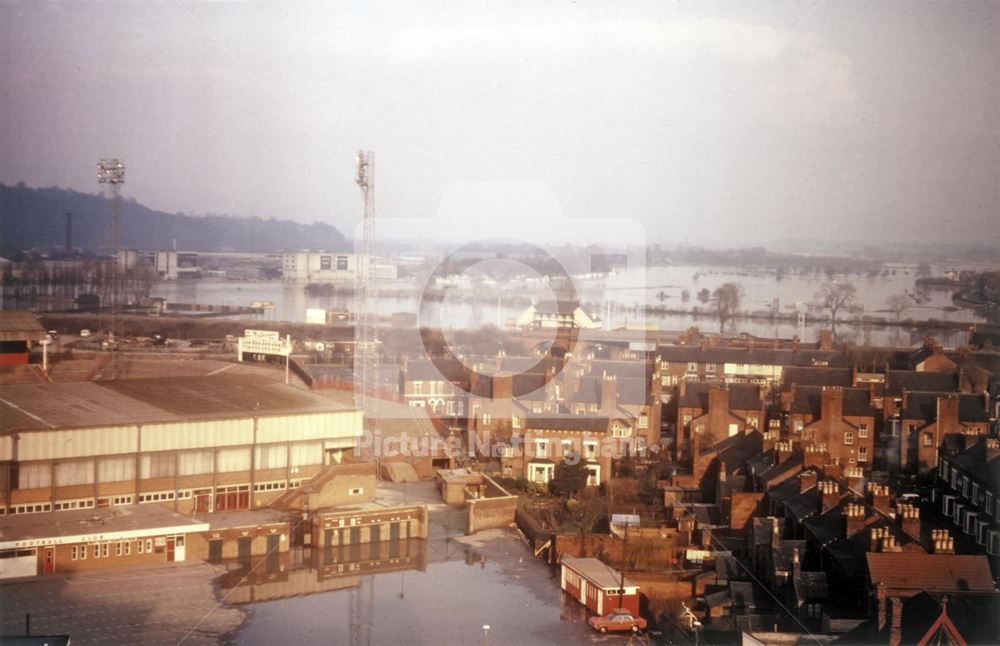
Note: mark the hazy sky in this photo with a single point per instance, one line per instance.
(740, 121)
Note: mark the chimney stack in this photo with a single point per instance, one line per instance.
(881, 605)
(783, 451)
(609, 393)
(992, 449)
(854, 519)
(826, 340)
(718, 400)
(896, 632)
(909, 519)
(942, 542)
(807, 480)
(855, 480)
(879, 497)
(832, 404)
(830, 495)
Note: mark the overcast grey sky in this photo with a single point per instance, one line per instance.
(736, 121)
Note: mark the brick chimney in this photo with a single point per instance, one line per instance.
(609, 393)
(881, 605)
(807, 480)
(503, 386)
(815, 456)
(783, 451)
(877, 534)
(718, 400)
(832, 406)
(992, 449)
(896, 631)
(942, 542)
(855, 479)
(854, 519)
(947, 414)
(829, 495)
(909, 519)
(878, 495)
(826, 340)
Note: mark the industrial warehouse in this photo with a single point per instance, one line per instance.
(115, 470)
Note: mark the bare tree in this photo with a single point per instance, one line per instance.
(726, 302)
(897, 305)
(835, 298)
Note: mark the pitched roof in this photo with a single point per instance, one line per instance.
(755, 356)
(896, 381)
(923, 405)
(803, 376)
(931, 572)
(20, 326)
(741, 396)
(809, 401)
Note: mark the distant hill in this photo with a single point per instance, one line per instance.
(35, 218)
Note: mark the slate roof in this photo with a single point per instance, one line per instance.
(975, 616)
(809, 401)
(931, 572)
(923, 405)
(973, 461)
(896, 381)
(631, 392)
(756, 356)
(810, 586)
(801, 376)
(741, 396)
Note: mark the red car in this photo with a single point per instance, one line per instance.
(618, 621)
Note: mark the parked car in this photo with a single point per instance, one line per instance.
(84, 333)
(618, 621)
(53, 334)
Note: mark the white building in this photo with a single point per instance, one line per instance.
(327, 267)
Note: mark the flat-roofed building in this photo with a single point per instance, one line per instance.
(193, 444)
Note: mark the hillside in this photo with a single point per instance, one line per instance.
(36, 218)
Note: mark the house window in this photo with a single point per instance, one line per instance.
(341, 263)
(593, 475)
(862, 454)
(928, 439)
(139, 547)
(72, 553)
(848, 437)
(643, 420)
(590, 450)
(118, 549)
(752, 422)
(515, 421)
(541, 448)
(567, 447)
(975, 493)
(685, 420)
(797, 425)
(692, 366)
(487, 418)
(418, 387)
(325, 263)
(104, 550)
(989, 502)
(149, 545)
(709, 367)
(863, 430)
(83, 552)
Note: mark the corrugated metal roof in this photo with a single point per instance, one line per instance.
(143, 401)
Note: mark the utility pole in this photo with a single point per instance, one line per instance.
(112, 172)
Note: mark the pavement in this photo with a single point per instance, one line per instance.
(169, 605)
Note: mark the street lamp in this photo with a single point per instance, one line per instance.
(486, 634)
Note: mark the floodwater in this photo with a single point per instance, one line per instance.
(616, 298)
(447, 597)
